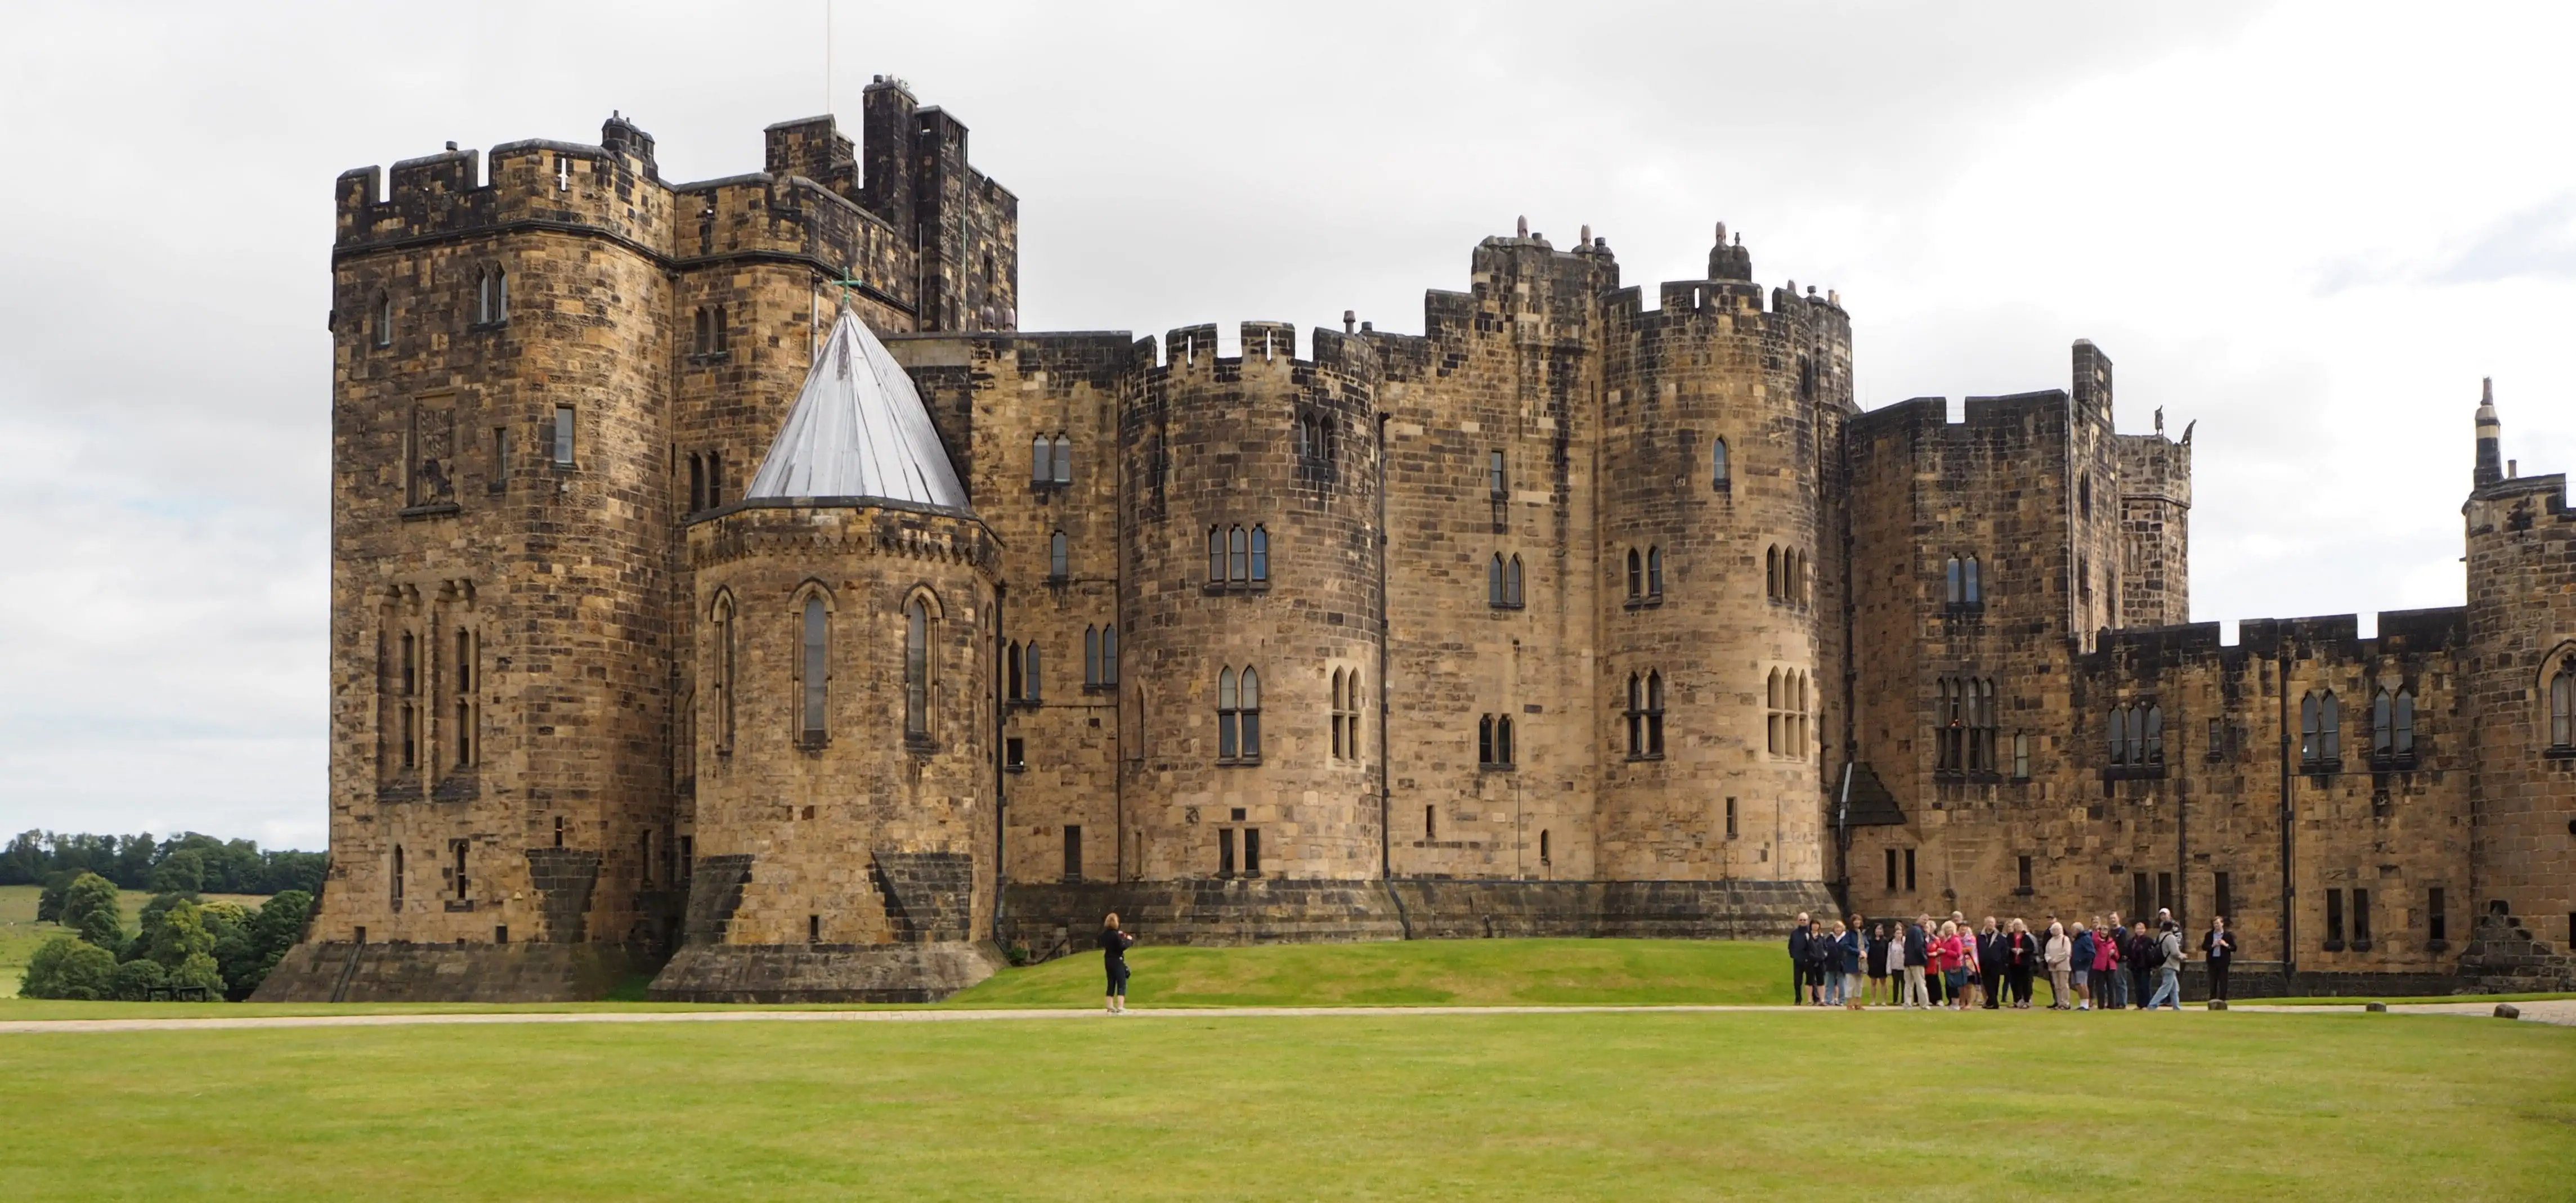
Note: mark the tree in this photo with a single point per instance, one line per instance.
(135, 980)
(69, 968)
(49, 901)
(181, 872)
(180, 936)
(274, 930)
(199, 969)
(92, 907)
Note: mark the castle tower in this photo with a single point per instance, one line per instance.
(2155, 522)
(2520, 682)
(1721, 567)
(1250, 561)
(845, 802)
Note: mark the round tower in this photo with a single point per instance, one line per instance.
(1252, 605)
(1721, 650)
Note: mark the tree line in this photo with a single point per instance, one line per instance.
(185, 948)
(183, 864)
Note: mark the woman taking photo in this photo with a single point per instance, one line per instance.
(1113, 957)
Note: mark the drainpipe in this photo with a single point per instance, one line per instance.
(1385, 793)
(2289, 892)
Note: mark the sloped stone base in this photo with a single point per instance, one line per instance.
(2505, 958)
(1053, 919)
(338, 971)
(819, 973)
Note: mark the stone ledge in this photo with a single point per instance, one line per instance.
(406, 972)
(821, 973)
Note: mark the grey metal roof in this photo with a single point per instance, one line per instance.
(858, 429)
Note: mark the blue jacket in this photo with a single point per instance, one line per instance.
(1849, 945)
(1918, 949)
(1798, 944)
(2083, 949)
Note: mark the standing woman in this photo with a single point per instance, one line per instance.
(2059, 954)
(2022, 952)
(2219, 947)
(1854, 953)
(1957, 953)
(1113, 957)
(1879, 990)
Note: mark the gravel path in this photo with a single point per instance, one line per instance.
(2561, 1011)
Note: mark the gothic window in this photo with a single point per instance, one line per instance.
(384, 321)
(2320, 736)
(1340, 708)
(1109, 654)
(2562, 705)
(2155, 735)
(1260, 555)
(398, 876)
(465, 664)
(1771, 573)
(2405, 723)
(410, 705)
(1063, 466)
(1494, 741)
(1975, 590)
(1031, 679)
(1948, 725)
(1238, 716)
(2116, 725)
(1497, 480)
(814, 673)
(1090, 657)
(1485, 741)
(1636, 575)
(1236, 557)
(491, 297)
(1216, 556)
(1014, 687)
(916, 668)
(1041, 460)
(2137, 722)
(2021, 757)
(1654, 571)
(1654, 713)
(1304, 438)
(1718, 467)
(2392, 726)
(1981, 732)
(1503, 582)
(1957, 594)
(724, 673)
(1059, 557)
(1636, 715)
(1543, 857)
(1351, 715)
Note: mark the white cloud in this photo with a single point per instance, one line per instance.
(2311, 228)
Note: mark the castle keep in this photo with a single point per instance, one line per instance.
(724, 588)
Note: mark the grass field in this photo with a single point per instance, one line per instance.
(1503, 1107)
(1464, 972)
(21, 935)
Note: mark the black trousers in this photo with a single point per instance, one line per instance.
(2218, 978)
(2138, 992)
(2020, 976)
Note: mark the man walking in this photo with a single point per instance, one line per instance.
(1918, 953)
(2169, 968)
(1798, 937)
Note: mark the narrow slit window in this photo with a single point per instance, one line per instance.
(1237, 566)
(1636, 575)
(1718, 468)
(1216, 556)
(815, 665)
(1109, 654)
(1059, 556)
(563, 433)
(1654, 572)
(916, 668)
(1260, 555)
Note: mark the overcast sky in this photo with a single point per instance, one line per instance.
(2311, 229)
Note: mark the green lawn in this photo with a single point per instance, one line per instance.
(21, 935)
(1503, 1107)
(1415, 972)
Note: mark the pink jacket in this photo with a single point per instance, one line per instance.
(2106, 953)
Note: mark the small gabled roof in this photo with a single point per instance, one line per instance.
(1871, 804)
(859, 429)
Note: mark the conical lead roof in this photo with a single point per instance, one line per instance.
(858, 429)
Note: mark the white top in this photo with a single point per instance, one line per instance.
(858, 429)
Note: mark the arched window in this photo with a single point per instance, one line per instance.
(1543, 857)
(1945, 723)
(1654, 572)
(2383, 725)
(1236, 567)
(2084, 492)
(1216, 556)
(1035, 686)
(1090, 656)
(1636, 575)
(1109, 654)
(1981, 731)
(1654, 713)
(1335, 718)
(1497, 480)
(2320, 730)
(814, 673)
(1431, 822)
(465, 661)
(2155, 736)
(1718, 467)
(1013, 687)
(1229, 735)
(1063, 467)
(1976, 593)
(384, 321)
(1352, 719)
(1251, 714)
(1260, 555)
(1304, 441)
(1503, 740)
(1952, 573)
(916, 668)
(1494, 580)
(491, 296)
(398, 876)
(1041, 460)
(2117, 724)
(2405, 742)
(724, 673)
(1512, 583)
(1059, 556)
(1485, 740)
(1771, 573)
(2562, 705)
(1636, 715)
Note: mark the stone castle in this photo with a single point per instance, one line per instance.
(724, 588)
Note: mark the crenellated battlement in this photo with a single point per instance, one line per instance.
(1190, 352)
(2331, 638)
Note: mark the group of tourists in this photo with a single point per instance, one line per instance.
(1933, 962)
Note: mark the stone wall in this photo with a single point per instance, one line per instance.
(2521, 635)
(377, 971)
